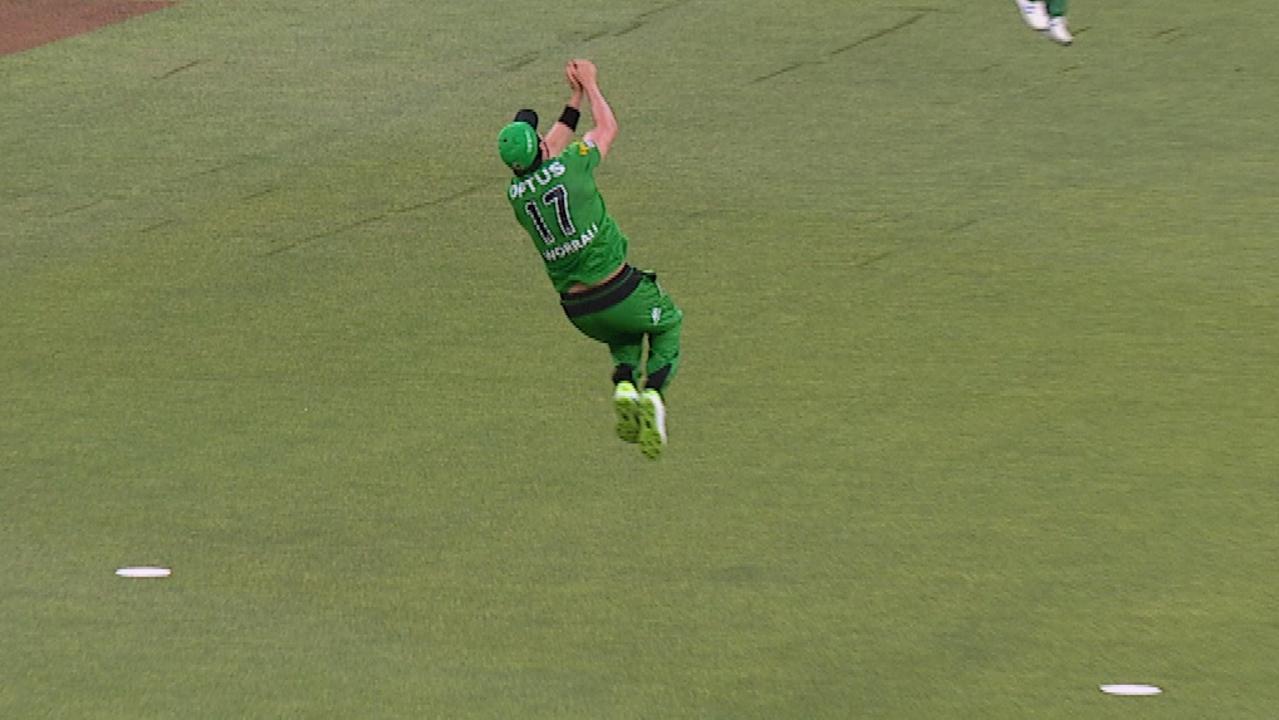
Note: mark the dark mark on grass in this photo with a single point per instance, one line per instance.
(775, 73)
(471, 190)
(375, 218)
(156, 226)
(178, 69)
(216, 168)
(670, 6)
(1161, 33)
(962, 226)
(855, 44)
(874, 259)
(29, 192)
(877, 35)
(1071, 68)
(77, 208)
(258, 194)
(326, 234)
(629, 28)
(519, 62)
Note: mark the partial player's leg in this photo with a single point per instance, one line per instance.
(626, 347)
(626, 357)
(622, 323)
(1057, 29)
(664, 320)
(652, 419)
(1034, 13)
(663, 345)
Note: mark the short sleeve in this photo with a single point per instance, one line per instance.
(583, 154)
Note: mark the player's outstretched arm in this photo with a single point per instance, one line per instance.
(561, 133)
(605, 130)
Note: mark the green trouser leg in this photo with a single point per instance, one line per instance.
(626, 359)
(647, 312)
(1056, 8)
(663, 353)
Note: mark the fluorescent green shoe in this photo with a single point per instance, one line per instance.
(626, 405)
(652, 421)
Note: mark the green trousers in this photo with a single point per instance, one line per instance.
(1056, 8)
(624, 312)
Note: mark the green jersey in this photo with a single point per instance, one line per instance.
(560, 207)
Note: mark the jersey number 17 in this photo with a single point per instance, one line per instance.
(556, 197)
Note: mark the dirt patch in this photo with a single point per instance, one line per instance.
(25, 24)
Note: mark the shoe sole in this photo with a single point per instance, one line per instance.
(628, 419)
(650, 439)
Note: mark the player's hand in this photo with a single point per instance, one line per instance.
(570, 75)
(585, 72)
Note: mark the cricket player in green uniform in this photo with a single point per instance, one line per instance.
(555, 199)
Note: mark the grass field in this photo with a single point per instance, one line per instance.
(978, 409)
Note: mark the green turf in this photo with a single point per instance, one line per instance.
(978, 409)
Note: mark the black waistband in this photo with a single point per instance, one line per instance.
(603, 297)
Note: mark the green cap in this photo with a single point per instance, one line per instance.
(517, 143)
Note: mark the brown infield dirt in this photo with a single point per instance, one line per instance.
(25, 24)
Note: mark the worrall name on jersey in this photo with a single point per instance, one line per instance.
(571, 246)
(543, 177)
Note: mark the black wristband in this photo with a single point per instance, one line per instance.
(570, 116)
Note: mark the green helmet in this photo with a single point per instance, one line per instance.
(518, 143)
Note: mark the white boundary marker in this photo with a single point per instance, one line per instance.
(1131, 689)
(143, 572)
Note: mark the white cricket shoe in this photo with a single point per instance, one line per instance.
(1058, 31)
(652, 417)
(1034, 12)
